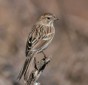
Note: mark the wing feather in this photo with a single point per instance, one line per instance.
(39, 38)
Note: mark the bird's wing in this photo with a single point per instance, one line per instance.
(33, 39)
(38, 39)
(44, 40)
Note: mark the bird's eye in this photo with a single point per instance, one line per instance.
(48, 17)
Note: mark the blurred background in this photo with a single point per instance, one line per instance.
(69, 64)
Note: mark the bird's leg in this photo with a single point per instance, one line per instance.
(44, 54)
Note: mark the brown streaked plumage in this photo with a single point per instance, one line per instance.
(39, 39)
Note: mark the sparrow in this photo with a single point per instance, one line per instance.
(39, 39)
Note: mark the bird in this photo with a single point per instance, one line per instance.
(39, 39)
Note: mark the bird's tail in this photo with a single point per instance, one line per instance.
(24, 68)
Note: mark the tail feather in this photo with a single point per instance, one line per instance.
(24, 69)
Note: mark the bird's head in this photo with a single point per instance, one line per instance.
(47, 19)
